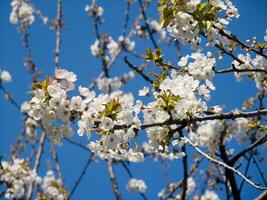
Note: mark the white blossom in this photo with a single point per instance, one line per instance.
(136, 185)
(106, 124)
(52, 188)
(144, 91)
(18, 177)
(21, 11)
(209, 195)
(5, 76)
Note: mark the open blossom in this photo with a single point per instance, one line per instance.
(113, 47)
(106, 124)
(202, 67)
(5, 76)
(95, 48)
(64, 74)
(136, 185)
(209, 195)
(144, 91)
(76, 103)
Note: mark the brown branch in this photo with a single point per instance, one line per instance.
(113, 180)
(180, 183)
(230, 176)
(37, 163)
(242, 44)
(58, 25)
(262, 196)
(124, 165)
(185, 170)
(229, 115)
(55, 157)
(137, 70)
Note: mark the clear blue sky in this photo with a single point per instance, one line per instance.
(75, 56)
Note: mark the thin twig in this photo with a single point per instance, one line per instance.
(246, 173)
(9, 96)
(127, 12)
(258, 142)
(242, 44)
(78, 144)
(218, 162)
(137, 70)
(147, 25)
(131, 176)
(259, 169)
(231, 69)
(193, 169)
(77, 182)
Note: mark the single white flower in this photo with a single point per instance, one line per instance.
(136, 185)
(143, 92)
(5, 76)
(106, 124)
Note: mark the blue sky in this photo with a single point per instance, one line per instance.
(77, 36)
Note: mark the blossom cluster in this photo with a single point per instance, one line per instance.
(258, 63)
(50, 105)
(114, 115)
(22, 11)
(17, 176)
(190, 17)
(112, 46)
(211, 133)
(52, 188)
(107, 84)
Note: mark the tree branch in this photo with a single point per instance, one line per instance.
(37, 163)
(218, 162)
(113, 180)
